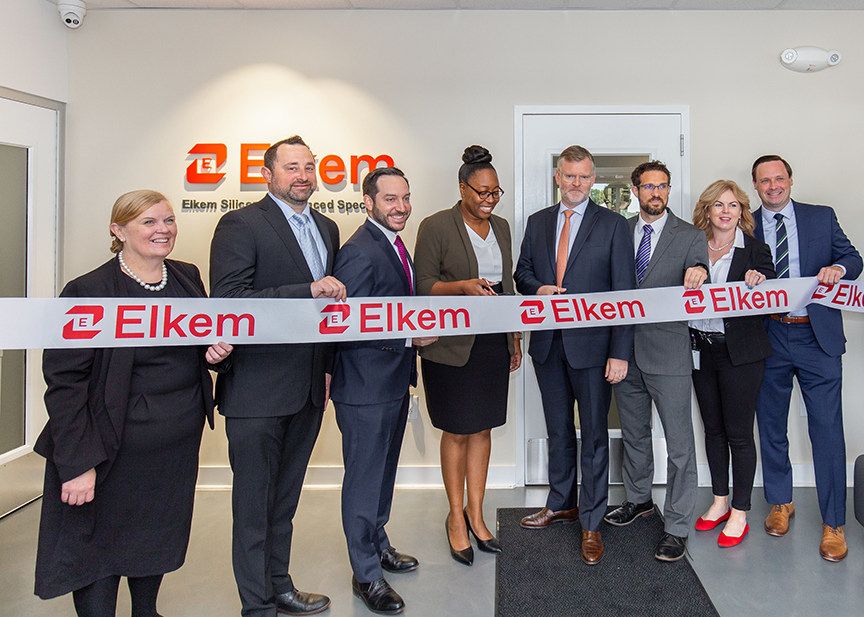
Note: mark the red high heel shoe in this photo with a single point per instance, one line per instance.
(703, 525)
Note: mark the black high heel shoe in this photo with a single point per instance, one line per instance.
(465, 556)
(487, 546)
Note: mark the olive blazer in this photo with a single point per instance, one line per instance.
(444, 253)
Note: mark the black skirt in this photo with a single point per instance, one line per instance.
(464, 400)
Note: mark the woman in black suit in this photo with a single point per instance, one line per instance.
(731, 358)
(465, 250)
(124, 431)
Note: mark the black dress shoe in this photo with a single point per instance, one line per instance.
(628, 512)
(296, 602)
(394, 561)
(466, 555)
(487, 546)
(670, 548)
(378, 596)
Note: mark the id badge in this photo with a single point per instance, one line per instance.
(696, 356)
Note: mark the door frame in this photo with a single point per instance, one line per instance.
(519, 112)
(21, 469)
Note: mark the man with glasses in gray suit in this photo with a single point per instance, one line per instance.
(669, 252)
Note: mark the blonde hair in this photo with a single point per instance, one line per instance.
(710, 195)
(128, 207)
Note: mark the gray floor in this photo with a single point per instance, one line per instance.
(762, 576)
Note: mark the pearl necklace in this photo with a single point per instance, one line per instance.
(158, 287)
(720, 248)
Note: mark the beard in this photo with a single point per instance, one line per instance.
(382, 220)
(293, 195)
(654, 207)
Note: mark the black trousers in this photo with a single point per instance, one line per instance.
(727, 402)
(269, 458)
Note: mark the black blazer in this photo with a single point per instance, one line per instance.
(746, 337)
(601, 259)
(88, 389)
(377, 371)
(254, 254)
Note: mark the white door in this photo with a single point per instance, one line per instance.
(618, 137)
(29, 156)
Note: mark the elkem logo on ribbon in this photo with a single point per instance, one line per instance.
(531, 314)
(81, 327)
(334, 316)
(821, 291)
(694, 301)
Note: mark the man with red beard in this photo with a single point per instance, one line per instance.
(274, 396)
(669, 252)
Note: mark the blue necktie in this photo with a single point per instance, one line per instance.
(643, 255)
(307, 245)
(781, 254)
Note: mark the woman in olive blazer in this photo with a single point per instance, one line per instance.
(465, 250)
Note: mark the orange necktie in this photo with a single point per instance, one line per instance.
(563, 246)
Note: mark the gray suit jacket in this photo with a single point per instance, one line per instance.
(664, 348)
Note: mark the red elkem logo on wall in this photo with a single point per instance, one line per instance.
(81, 327)
(694, 301)
(531, 313)
(332, 168)
(334, 316)
(203, 170)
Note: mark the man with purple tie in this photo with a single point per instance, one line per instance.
(370, 390)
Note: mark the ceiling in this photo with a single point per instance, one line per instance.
(678, 5)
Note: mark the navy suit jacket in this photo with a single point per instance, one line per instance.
(378, 371)
(821, 243)
(601, 259)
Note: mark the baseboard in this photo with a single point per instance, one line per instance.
(329, 477)
(500, 476)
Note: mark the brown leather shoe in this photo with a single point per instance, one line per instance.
(546, 517)
(777, 523)
(592, 547)
(833, 547)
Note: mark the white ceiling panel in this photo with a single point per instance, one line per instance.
(680, 5)
(728, 5)
(512, 4)
(619, 4)
(824, 5)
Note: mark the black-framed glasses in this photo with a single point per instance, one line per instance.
(485, 195)
(650, 187)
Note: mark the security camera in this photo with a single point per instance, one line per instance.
(809, 59)
(72, 12)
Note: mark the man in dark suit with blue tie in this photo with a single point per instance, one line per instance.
(577, 246)
(273, 397)
(370, 390)
(806, 240)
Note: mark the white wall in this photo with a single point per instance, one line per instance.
(144, 86)
(33, 48)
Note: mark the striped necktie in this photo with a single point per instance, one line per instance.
(643, 255)
(781, 253)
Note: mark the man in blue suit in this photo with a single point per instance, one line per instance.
(809, 343)
(577, 246)
(370, 390)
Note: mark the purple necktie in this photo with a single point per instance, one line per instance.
(643, 255)
(403, 255)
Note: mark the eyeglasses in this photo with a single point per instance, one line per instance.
(571, 178)
(485, 195)
(650, 187)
